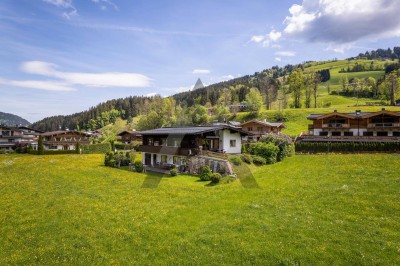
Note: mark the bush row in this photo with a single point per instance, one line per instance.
(96, 148)
(117, 159)
(46, 152)
(326, 147)
(272, 148)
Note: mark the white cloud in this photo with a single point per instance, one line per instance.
(108, 79)
(227, 77)
(60, 3)
(38, 84)
(201, 71)
(343, 21)
(286, 53)
(266, 40)
(65, 4)
(103, 4)
(152, 94)
(278, 59)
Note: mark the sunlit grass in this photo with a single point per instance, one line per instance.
(70, 209)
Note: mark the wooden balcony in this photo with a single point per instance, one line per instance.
(335, 125)
(382, 125)
(169, 150)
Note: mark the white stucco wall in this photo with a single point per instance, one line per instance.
(225, 137)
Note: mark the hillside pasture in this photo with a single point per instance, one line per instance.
(316, 209)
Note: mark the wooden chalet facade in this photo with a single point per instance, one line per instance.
(358, 126)
(10, 137)
(63, 139)
(129, 136)
(173, 146)
(259, 129)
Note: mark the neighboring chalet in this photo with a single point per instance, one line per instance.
(128, 136)
(10, 137)
(64, 140)
(358, 126)
(260, 129)
(173, 145)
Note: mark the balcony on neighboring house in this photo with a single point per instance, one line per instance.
(335, 125)
(381, 125)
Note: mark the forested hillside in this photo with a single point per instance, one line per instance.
(12, 120)
(355, 81)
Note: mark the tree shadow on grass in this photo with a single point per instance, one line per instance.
(246, 177)
(152, 180)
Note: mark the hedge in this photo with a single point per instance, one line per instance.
(96, 148)
(122, 146)
(46, 152)
(346, 147)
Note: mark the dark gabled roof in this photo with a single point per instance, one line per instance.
(189, 130)
(352, 115)
(31, 129)
(62, 132)
(265, 123)
(135, 133)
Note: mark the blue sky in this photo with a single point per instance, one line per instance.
(64, 56)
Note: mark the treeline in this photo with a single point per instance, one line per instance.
(362, 68)
(127, 107)
(386, 88)
(380, 54)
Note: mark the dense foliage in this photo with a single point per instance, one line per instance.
(117, 159)
(343, 147)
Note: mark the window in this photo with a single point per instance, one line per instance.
(176, 142)
(164, 158)
(396, 133)
(150, 141)
(249, 129)
(232, 142)
(368, 133)
(176, 159)
(349, 133)
(323, 133)
(164, 142)
(336, 133)
(382, 133)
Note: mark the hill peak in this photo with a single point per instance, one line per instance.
(198, 84)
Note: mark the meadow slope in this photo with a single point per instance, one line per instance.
(316, 209)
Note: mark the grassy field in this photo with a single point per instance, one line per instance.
(317, 209)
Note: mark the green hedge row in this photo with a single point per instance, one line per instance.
(349, 147)
(45, 152)
(122, 146)
(96, 148)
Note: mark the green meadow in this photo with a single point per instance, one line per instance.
(308, 209)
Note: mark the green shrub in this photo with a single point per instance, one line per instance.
(122, 146)
(135, 145)
(206, 173)
(138, 166)
(267, 150)
(235, 159)
(259, 160)
(99, 148)
(173, 172)
(246, 158)
(216, 178)
(221, 169)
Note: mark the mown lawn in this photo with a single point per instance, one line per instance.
(309, 209)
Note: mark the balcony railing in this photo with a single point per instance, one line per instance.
(335, 125)
(371, 125)
(170, 150)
